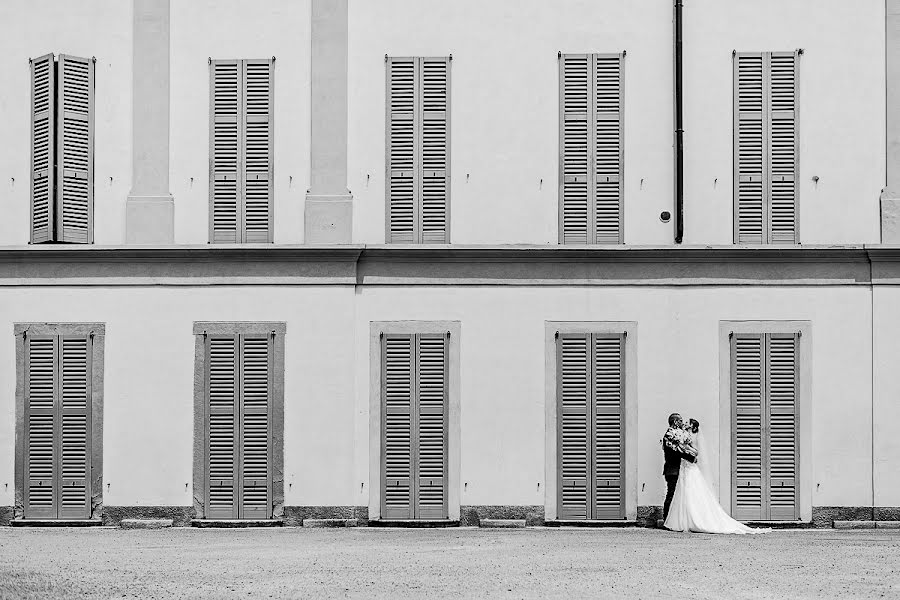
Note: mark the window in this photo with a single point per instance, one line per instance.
(238, 419)
(765, 148)
(418, 150)
(591, 155)
(62, 149)
(765, 453)
(59, 404)
(241, 151)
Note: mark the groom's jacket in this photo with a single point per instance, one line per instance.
(672, 463)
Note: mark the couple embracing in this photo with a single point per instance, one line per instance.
(690, 503)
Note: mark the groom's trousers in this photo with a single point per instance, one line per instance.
(671, 482)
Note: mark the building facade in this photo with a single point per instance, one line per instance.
(417, 260)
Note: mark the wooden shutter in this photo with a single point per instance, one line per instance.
(398, 385)
(766, 147)
(781, 413)
(255, 427)
(765, 376)
(58, 404)
(591, 170)
(222, 426)
(41, 427)
(590, 404)
(75, 149)
(609, 426)
(431, 426)
(224, 156)
(418, 150)
(43, 148)
(258, 149)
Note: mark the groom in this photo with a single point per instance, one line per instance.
(673, 453)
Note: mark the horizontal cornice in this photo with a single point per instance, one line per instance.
(267, 264)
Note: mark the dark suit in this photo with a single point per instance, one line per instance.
(671, 466)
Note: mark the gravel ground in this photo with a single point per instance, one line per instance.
(447, 563)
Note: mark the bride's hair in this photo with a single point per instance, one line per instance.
(695, 425)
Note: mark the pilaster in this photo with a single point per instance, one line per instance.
(890, 197)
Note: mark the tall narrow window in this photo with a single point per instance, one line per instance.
(62, 149)
(591, 149)
(418, 150)
(414, 426)
(241, 151)
(765, 455)
(591, 421)
(60, 411)
(765, 148)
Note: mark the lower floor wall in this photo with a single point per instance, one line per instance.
(470, 516)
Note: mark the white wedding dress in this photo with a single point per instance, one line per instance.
(695, 508)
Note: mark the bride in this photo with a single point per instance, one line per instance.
(694, 505)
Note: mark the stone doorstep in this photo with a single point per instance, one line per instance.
(411, 523)
(771, 524)
(589, 523)
(330, 522)
(502, 523)
(56, 523)
(235, 523)
(146, 523)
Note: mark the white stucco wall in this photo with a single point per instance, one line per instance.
(887, 392)
(504, 124)
(100, 28)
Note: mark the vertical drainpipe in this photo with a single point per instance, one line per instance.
(679, 129)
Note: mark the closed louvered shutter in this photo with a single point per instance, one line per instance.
(414, 371)
(765, 372)
(43, 139)
(58, 427)
(223, 427)
(256, 394)
(398, 389)
(75, 149)
(40, 428)
(258, 148)
(224, 152)
(783, 384)
(765, 153)
(590, 401)
(591, 149)
(418, 150)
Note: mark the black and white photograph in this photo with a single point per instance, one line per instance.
(401, 299)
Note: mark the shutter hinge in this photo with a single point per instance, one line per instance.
(209, 60)
(730, 334)
(448, 334)
(624, 334)
(624, 52)
(799, 334)
(24, 334)
(273, 59)
(556, 335)
(385, 58)
(733, 53)
(204, 334)
(451, 57)
(91, 335)
(381, 335)
(800, 51)
(558, 54)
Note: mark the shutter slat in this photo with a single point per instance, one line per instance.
(222, 434)
(40, 428)
(432, 427)
(574, 425)
(748, 399)
(401, 150)
(224, 186)
(75, 149)
(75, 428)
(258, 150)
(43, 136)
(397, 415)
(575, 111)
(609, 438)
(256, 357)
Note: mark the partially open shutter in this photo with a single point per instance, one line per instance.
(256, 393)
(43, 136)
(431, 422)
(75, 424)
(573, 405)
(782, 147)
(40, 427)
(258, 149)
(75, 149)
(222, 424)
(609, 426)
(398, 394)
(749, 150)
(435, 148)
(401, 150)
(224, 151)
(575, 111)
(783, 378)
(748, 398)
(608, 142)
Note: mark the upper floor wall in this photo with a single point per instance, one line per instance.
(504, 98)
